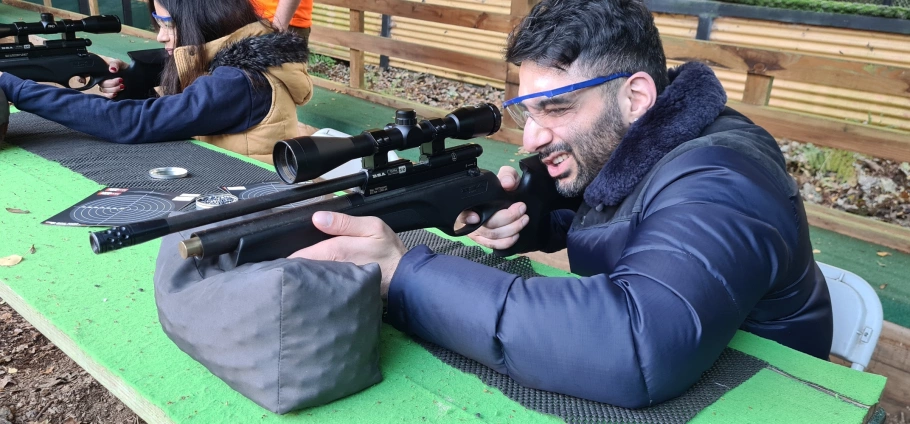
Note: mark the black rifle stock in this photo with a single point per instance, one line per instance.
(430, 193)
(60, 61)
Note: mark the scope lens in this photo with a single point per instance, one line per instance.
(285, 162)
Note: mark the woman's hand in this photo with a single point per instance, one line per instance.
(109, 87)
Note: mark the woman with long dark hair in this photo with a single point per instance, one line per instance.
(231, 80)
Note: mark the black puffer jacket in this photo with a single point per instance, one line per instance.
(691, 231)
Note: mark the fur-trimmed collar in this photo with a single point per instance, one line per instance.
(262, 52)
(691, 102)
(258, 53)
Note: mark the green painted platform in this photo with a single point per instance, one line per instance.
(100, 310)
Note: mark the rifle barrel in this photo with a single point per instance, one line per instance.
(140, 232)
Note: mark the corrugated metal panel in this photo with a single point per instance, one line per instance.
(857, 106)
(866, 46)
(832, 102)
(475, 41)
(494, 6)
(676, 25)
(339, 18)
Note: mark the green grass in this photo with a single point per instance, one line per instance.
(826, 6)
(834, 161)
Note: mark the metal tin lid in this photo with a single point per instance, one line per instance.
(208, 201)
(167, 173)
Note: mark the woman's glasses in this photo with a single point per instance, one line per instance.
(164, 21)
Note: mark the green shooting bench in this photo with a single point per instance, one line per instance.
(100, 310)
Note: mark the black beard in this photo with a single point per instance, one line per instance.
(591, 150)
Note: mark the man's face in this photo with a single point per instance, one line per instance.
(579, 132)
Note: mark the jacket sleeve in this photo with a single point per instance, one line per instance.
(221, 103)
(560, 221)
(644, 333)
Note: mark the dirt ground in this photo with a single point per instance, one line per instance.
(40, 384)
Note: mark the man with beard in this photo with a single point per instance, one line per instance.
(690, 229)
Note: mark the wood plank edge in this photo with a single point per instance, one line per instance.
(866, 229)
(113, 383)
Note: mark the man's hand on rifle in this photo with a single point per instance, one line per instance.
(501, 230)
(360, 240)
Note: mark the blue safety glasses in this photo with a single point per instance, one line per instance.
(555, 104)
(164, 21)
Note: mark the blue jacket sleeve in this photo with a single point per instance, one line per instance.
(221, 103)
(644, 333)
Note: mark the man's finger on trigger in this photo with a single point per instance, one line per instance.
(470, 217)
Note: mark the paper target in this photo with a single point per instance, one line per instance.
(118, 206)
(262, 189)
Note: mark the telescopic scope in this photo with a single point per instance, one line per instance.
(101, 24)
(304, 158)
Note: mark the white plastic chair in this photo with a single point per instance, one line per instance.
(857, 316)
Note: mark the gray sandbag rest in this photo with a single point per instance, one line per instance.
(287, 334)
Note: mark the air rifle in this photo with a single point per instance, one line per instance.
(61, 61)
(429, 193)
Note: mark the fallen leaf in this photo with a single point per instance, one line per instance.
(10, 260)
(883, 254)
(883, 286)
(12, 370)
(32, 250)
(4, 381)
(70, 420)
(816, 251)
(49, 370)
(14, 210)
(6, 317)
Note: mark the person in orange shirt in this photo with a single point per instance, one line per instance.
(287, 15)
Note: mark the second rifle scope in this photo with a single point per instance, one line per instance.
(101, 24)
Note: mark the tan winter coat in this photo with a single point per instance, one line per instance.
(291, 86)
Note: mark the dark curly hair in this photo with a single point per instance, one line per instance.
(602, 36)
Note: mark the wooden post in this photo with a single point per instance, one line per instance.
(519, 9)
(356, 68)
(511, 92)
(758, 89)
(93, 8)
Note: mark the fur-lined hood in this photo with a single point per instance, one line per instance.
(257, 49)
(691, 102)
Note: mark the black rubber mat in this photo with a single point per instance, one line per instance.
(128, 165)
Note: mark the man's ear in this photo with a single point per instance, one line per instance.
(637, 96)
